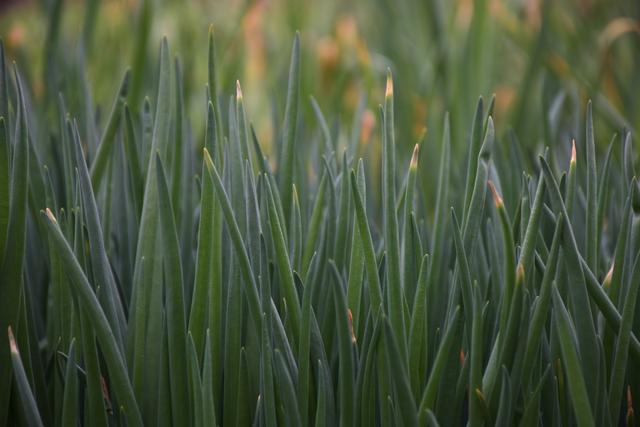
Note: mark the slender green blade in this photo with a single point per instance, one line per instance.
(541, 311)
(70, 398)
(204, 261)
(576, 381)
(394, 285)
(107, 141)
(345, 343)
(102, 273)
(26, 395)
(287, 155)
(286, 390)
(147, 265)
(402, 387)
(11, 269)
(284, 266)
(106, 339)
(475, 353)
(371, 267)
(246, 270)
(445, 351)
(619, 366)
(174, 301)
(591, 237)
(418, 337)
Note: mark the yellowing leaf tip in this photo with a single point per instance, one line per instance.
(497, 200)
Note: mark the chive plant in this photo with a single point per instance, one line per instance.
(153, 276)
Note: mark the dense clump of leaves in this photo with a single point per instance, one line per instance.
(152, 276)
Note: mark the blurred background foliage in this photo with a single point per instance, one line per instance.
(541, 58)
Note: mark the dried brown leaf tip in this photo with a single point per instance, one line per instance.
(497, 200)
(414, 157)
(389, 90)
(607, 279)
(350, 316)
(50, 215)
(12, 341)
(238, 91)
(573, 153)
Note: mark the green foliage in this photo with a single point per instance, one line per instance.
(153, 271)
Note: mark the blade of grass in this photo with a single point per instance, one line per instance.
(13, 260)
(592, 195)
(26, 396)
(371, 267)
(390, 223)
(96, 412)
(321, 405)
(197, 388)
(509, 273)
(503, 418)
(174, 301)
(409, 266)
(284, 267)
(208, 393)
(576, 381)
(311, 238)
(106, 339)
(177, 148)
(70, 398)
(418, 337)
(237, 242)
(475, 353)
(149, 271)
(578, 288)
(266, 376)
(463, 265)
(619, 365)
(133, 159)
(540, 313)
(475, 141)
(402, 387)
(440, 223)
(101, 268)
(356, 261)
(287, 155)
(286, 391)
(345, 344)
(105, 147)
(444, 353)
(204, 260)
(533, 225)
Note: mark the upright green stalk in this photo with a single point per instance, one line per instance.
(390, 223)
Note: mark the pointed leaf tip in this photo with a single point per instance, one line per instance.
(50, 215)
(414, 157)
(389, 90)
(607, 279)
(573, 152)
(497, 200)
(12, 341)
(238, 91)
